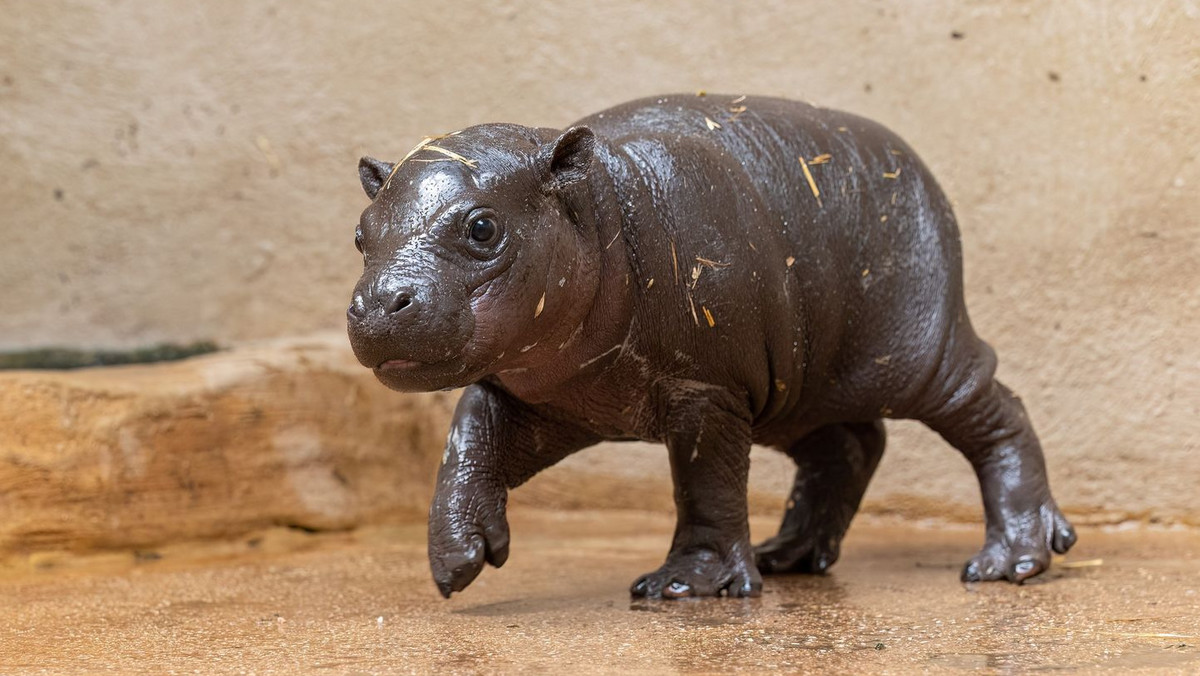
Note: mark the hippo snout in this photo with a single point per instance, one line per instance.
(400, 301)
(394, 322)
(418, 325)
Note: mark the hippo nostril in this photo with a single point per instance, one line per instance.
(399, 302)
(358, 306)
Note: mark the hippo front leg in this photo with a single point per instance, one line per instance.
(496, 443)
(708, 439)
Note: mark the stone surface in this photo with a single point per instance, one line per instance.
(286, 603)
(292, 433)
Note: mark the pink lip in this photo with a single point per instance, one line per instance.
(398, 364)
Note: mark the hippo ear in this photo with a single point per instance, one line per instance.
(373, 173)
(567, 159)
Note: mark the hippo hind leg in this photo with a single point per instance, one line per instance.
(834, 466)
(986, 422)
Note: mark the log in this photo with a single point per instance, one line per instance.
(289, 433)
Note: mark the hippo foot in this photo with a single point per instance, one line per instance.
(700, 572)
(462, 540)
(1023, 549)
(797, 553)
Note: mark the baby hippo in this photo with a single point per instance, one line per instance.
(708, 272)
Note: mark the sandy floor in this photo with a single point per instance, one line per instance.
(288, 602)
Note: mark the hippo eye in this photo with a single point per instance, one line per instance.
(484, 230)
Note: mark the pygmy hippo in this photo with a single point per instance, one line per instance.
(705, 271)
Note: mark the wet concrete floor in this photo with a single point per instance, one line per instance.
(362, 602)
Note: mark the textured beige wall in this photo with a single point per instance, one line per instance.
(177, 171)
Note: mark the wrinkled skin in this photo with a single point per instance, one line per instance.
(664, 271)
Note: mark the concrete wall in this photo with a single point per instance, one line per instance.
(179, 171)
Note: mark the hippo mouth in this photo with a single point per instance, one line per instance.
(399, 365)
(410, 375)
(400, 368)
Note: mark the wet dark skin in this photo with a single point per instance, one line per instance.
(707, 272)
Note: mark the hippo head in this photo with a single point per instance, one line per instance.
(471, 254)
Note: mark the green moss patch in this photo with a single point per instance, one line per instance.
(55, 358)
